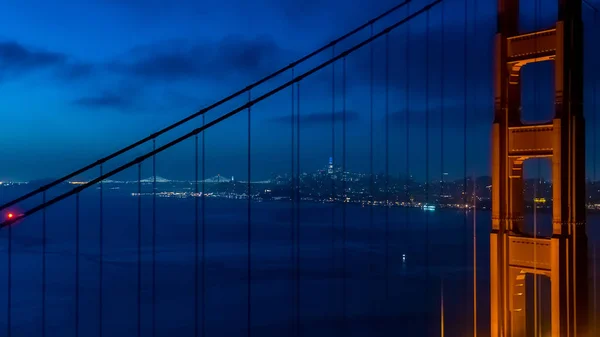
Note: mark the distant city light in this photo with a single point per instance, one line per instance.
(429, 207)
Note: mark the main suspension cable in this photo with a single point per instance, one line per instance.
(223, 117)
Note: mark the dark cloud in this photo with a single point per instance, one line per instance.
(106, 100)
(75, 71)
(174, 60)
(295, 10)
(16, 59)
(318, 118)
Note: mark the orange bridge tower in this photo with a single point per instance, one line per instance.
(514, 253)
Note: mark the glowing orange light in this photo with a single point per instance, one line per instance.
(10, 215)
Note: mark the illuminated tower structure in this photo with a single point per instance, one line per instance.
(514, 253)
(330, 166)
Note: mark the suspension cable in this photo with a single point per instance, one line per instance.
(344, 196)
(371, 187)
(203, 243)
(331, 176)
(139, 253)
(206, 109)
(387, 163)
(77, 236)
(465, 102)
(442, 182)
(442, 329)
(225, 116)
(9, 285)
(595, 111)
(407, 132)
(196, 238)
(442, 100)
(153, 299)
(427, 182)
(249, 215)
(474, 196)
(298, 196)
(293, 206)
(44, 286)
(101, 257)
(595, 178)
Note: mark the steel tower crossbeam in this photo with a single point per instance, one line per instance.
(514, 254)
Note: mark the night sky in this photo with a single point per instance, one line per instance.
(79, 80)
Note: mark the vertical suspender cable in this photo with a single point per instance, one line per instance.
(154, 240)
(249, 216)
(594, 115)
(371, 229)
(595, 179)
(427, 182)
(101, 257)
(442, 101)
(535, 191)
(595, 293)
(196, 239)
(442, 329)
(407, 122)
(371, 190)
(387, 165)
(9, 285)
(331, 175)
(465, 81)
(298, 196)
(203, 290)
(442, 170)
(44, 242)
(139, 253)
(406, 225)
(292, 208)
(475, 199)
(474, 256)
(77, 264)
(344, 271)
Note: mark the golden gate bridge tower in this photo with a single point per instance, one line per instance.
(514, 253)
